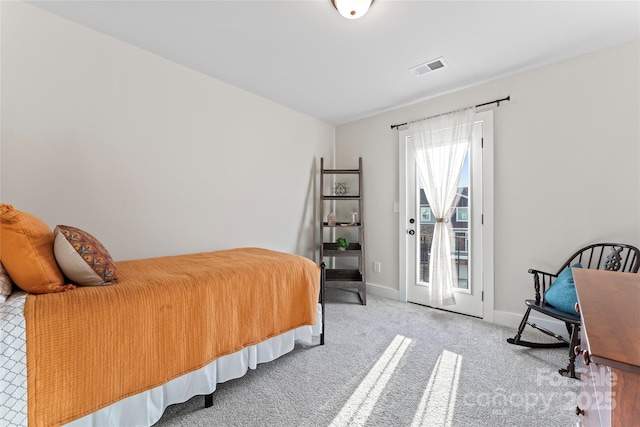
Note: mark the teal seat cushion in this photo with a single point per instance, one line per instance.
(562, 292)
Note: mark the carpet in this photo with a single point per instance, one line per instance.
(396, 364)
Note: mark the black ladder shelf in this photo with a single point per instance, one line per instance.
(346, 268)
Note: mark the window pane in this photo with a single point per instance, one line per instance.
(460, 224)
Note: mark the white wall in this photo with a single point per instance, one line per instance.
(149, 156)
(566, 167)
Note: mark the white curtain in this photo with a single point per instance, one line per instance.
(441, 144)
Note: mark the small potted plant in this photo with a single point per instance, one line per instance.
(342, 243)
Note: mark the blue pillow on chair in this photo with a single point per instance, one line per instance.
(562, 292)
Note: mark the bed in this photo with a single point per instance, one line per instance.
(169, 329)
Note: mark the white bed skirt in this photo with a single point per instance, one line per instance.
(146, 408)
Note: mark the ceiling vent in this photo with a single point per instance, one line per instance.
(422, 69)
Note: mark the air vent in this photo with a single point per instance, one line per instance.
(422, 69)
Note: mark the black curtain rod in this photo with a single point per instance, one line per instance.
(497, 101)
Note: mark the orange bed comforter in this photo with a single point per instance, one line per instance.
(93, 346)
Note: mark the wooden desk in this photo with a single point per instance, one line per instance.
(609, 304)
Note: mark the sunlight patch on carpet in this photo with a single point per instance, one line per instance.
(360, 405)
(438, 401)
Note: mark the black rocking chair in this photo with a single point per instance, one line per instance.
(599, 256)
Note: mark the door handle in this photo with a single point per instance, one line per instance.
(411, 232)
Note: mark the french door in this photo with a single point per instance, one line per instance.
(472, 246)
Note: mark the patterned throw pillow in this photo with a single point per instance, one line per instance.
(562, 292)
(26, 250)
(5, 284)
(82, 258)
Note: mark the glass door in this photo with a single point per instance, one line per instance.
(416, 231)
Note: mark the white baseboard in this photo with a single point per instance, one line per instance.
(383, 291)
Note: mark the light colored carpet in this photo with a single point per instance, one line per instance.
(477, 379)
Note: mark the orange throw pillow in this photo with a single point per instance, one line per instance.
(26, 251)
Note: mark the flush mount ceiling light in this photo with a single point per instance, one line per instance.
(352, 9)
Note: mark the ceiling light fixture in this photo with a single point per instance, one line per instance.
(352, 9)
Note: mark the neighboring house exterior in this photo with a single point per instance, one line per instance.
(460, 224)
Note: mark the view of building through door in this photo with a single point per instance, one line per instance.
(417, 225)
(460, 224)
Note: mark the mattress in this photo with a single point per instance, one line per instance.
(173, 327)
(142, 409)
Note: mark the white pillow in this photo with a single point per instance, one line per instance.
(5, 284)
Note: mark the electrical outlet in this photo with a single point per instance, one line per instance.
(376, 266)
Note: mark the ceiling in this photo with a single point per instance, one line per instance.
(304, 55)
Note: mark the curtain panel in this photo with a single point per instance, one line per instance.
(441, 144)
